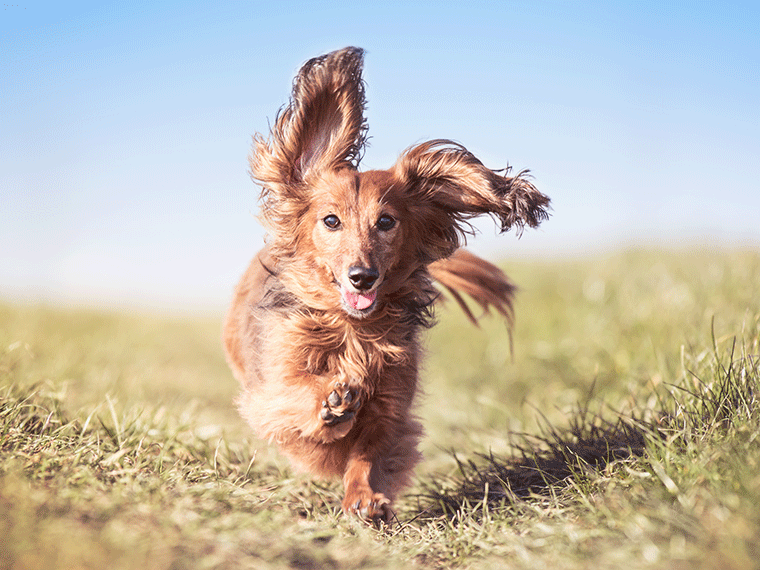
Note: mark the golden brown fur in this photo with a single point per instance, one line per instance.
(323, 330)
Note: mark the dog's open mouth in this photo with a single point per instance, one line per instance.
(358, 303)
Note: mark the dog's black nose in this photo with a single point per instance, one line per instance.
(362, 277)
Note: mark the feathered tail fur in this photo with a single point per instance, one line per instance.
(486, 284)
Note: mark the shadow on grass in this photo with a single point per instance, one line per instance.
(540, 464)
(544, 465)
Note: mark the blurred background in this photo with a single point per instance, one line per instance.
(125, 128)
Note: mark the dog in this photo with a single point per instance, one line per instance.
(323, 333)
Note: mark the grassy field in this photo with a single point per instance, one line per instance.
(623, 431)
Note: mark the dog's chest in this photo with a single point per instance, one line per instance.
(327, 346)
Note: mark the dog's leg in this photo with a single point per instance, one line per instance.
(380, 465)
(360, 498)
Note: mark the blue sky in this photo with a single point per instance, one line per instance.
(125, 127)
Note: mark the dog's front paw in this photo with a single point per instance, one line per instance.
(370, 506)
(341, 404)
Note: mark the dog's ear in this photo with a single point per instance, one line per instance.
(448, 185)
(322, 127)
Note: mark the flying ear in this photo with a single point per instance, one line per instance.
(322, 127)
(450, 185)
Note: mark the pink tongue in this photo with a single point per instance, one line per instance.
(358, 300)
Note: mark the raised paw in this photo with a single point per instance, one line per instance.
(374, 507)
(341, 404)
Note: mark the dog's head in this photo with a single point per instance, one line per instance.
(351, 239)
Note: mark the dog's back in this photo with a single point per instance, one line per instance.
(240, 326)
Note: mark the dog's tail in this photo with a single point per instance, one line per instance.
(489, 287)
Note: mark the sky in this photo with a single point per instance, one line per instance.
(125, 127)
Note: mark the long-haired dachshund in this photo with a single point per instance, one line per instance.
(323, 332)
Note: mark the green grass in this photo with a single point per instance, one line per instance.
(623, 432)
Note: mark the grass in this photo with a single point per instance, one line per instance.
(624, 431)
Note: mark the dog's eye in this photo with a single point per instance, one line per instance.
(385, 223)
(332, 222)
